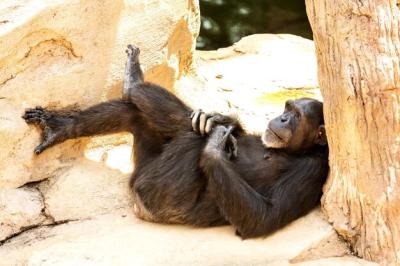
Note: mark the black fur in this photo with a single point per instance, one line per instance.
(183, 177)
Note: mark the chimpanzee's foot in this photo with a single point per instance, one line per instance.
(133, 73)
(37, 115)
(54, 126)
(133, 52)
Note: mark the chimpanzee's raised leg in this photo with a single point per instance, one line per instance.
(162, 110)
(150, 112)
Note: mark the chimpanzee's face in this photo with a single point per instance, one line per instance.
(300, 127)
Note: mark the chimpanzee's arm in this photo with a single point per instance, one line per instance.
(239, 203)
(251, 213)
(104, 118)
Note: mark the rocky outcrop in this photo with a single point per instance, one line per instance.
(72, 53)
(62, 53)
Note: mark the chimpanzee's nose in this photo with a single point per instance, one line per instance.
(284, 118)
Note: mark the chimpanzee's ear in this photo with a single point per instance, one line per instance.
(321, 136)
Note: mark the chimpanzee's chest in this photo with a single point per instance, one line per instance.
(260, 167)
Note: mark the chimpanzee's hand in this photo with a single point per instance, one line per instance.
(204, 123)
(54, 126)
(222, 143)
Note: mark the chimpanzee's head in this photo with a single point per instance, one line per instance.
(300, 127)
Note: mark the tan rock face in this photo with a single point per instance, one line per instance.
(19, 209)
(61, 53)
(85, 190)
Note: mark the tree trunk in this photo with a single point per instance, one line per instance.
(358, 51)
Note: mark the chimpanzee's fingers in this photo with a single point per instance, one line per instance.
(209, 125)
(195, 119)
(229, 142)
(229, 129)
(225, 136)
(233, 142)
(202, 124)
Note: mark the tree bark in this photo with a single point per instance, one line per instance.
(358, 51)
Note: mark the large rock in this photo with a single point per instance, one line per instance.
(67, 52)
(62, 53)
(85, 190)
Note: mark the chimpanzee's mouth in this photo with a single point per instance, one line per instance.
(272, 140)
(274, 134)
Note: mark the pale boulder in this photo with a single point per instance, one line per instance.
(85, 190)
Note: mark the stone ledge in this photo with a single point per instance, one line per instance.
(125, 240)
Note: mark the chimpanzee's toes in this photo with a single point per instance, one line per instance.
(132, 50)
(33, 115)
(40, 148)
(38, 116)
(237, 233)
(232, 149)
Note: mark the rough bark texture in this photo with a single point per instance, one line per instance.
(358, 52)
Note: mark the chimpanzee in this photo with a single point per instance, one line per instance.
(203, 169)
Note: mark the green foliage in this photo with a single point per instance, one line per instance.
(227, 21)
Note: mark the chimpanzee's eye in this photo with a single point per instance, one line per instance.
(288, 106)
